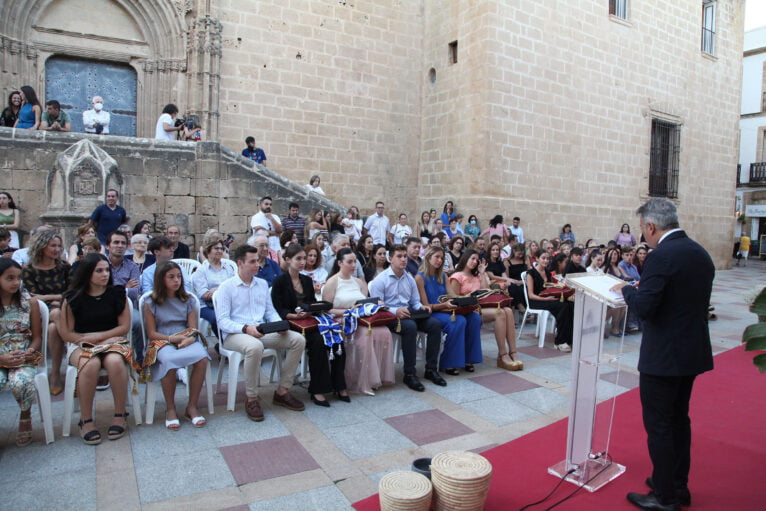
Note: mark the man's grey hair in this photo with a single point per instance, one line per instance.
(252, 239)
(336, 239)
(660, 212)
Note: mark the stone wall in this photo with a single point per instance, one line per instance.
(196, 186)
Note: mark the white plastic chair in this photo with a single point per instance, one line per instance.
(151, 387)
(542, 316)
(41, 378)
(189, 265)
(234, 358)
(71, 380)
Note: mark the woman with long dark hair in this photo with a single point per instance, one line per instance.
(497, 228)
(11, 112)
(167, 313)
(537, 277)
(30, 112)
(462, 348)
(370, 359)
(377, 263)
(289, 291)
(20, 338)
(471, 275)
(364, 249)
(96, 312)
(624, 238)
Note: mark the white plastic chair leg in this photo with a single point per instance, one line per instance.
(44, 402)
(69, 388)
(234, 360)
(151, 398)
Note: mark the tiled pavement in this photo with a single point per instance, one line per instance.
(323, 458)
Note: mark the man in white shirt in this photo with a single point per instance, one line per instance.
(265, 219)
(166, 125)
(378, 225)
(516, 230)
(96, 120)
(242, 303)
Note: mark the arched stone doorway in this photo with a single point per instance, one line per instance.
(156, 38)
(73, 82)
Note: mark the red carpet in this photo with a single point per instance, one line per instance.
(728, 450)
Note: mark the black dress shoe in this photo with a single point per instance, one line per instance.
(345, 399)
(412, 382)
(318, 402)
(683, 495)
(650, 503)
(434, 376)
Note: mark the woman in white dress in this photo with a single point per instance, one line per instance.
(369, 357)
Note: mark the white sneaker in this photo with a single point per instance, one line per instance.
(564, 347)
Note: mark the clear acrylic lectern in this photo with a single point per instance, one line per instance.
(587, 441)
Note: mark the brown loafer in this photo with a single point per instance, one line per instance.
(253, 409)
(288, 401)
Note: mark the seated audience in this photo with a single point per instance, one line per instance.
(180, 249)
(397, 289)
(537, 277)
(318, 224)
(377, 264)
(364, 249)
(327, 363)
(268, 269)
(20, 338)
(243, 302)
(140, 256)
(574, 264)
(369, 356)
(89, 245)
(413, 255)
(340, 241)
(46, 277)
(75, 250)
(424, 228)
(473, 229)
(400, 231)
(211, 274)
(6, 250)
(516, 264)
(162, 249)
(168, 312)
(612, 264)
(471, 275)
(462, 347)
(314, 267)
(96, 312)
(641, 253)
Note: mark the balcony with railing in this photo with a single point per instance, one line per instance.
(757, 174)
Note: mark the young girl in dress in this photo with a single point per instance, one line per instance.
(168, 312)
(20, 337)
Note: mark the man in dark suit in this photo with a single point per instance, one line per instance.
(672, 300)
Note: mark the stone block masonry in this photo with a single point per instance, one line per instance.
(197, 186)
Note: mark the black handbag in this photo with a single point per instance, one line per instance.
(320, 306)
(464, 301)
(273, 326)
(419, 314)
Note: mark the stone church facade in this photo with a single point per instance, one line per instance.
(558, 112)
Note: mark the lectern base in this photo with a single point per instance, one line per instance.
(593, 473)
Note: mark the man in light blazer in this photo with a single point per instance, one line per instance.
(672, 299)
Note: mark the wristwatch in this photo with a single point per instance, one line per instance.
(244, 329)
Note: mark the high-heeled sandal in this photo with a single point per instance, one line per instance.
(469, 368)
(91, 437)
(452, 371)
(116, 432)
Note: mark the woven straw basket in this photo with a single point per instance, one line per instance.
(461, 481)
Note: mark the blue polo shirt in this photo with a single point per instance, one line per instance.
(269, 271)
(108, 220)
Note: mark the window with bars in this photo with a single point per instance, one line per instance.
(619, 8)
(708, 27)
(664, 159)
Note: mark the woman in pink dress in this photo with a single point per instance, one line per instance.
(369, 358)
(471, 275)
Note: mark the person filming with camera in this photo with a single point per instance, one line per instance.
(167, 125)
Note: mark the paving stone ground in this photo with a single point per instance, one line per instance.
(322, 458)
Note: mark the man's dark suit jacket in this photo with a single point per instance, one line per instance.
(672, 300)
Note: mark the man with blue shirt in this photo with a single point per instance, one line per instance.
(162, 248)
(108, 217)
(399, 292)
(254, 153)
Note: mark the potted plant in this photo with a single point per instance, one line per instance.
(754, 336)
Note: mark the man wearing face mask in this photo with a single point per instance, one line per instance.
(96, 120)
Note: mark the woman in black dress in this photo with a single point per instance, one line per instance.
(96, 312)
(289, 291)
(537, 277)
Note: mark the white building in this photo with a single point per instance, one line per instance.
(751, 177)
